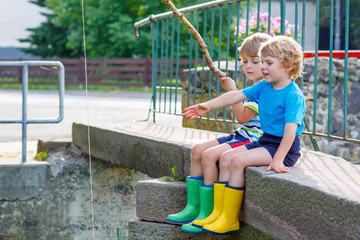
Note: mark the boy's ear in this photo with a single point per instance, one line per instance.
(288, 67)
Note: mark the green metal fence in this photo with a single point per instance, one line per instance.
(216, 22)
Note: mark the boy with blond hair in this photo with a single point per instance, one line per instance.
(281, 111)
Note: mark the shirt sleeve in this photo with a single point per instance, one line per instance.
(253, 92)
(294, 108)
(252, 105)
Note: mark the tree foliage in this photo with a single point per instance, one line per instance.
(109, 28)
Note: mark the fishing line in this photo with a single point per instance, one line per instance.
(88, 119)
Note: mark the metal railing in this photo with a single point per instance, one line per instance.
(215, 21)
(25, 121)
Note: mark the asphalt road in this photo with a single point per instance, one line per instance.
(104, 107)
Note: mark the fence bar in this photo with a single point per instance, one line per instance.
(269, 16)
(283, 11)
(316, 63)
(258, 16)
(196, 59)
(219, 59)
(203, 59)
(177, 61)
(303, 37)
(24, 111)
(296, 19)
(154, 18)
(166, 60)
(331, 46)
(155, 54)
(247, 31)
(236, 48)
(172, 59)
(227, 47)
(347, 7)
(190, 58)
(237, 42)
(162, 61)
(211, 54)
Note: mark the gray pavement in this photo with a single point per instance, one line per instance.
(104, 107)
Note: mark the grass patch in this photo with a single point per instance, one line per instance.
(45, 86)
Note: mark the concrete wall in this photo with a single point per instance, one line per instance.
(58, 205)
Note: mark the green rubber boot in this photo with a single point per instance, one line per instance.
(206, 207)
(192, 209)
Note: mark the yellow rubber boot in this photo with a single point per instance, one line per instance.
(228, 221)
(219, 188)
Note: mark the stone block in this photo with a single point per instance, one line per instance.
(140, 230)
(23, 180)
(156, 199)
(203, 81)
(53, 145)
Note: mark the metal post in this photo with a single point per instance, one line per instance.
(337, 41)
(283, 11)
(24, 110)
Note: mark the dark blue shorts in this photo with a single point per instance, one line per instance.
(234, 140)
(271, 143)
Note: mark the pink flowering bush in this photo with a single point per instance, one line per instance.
(275, 26)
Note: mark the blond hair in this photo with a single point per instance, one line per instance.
(287, 50)
(251, 45)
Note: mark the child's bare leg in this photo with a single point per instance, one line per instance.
(208, 162)
(225, 160)
(254, 157)
(196, 152)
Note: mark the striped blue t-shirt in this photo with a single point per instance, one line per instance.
(252, 129)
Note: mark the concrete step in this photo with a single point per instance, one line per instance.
(156, 199)
(140, 230)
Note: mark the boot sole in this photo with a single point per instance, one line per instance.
(183, 221)
(195, 225)
(225, 233)
(191, 231)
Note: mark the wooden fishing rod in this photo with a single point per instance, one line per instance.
(198, 37)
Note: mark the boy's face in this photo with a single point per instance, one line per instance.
(273, 70)
(252, 68)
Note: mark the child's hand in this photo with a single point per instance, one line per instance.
(228, 84)
(197, 110)
(278, 166)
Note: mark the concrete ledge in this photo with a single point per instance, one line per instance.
(22, 180)
(147, 147)
(318, 199)
(139, 230)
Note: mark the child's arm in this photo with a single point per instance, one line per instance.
(242, 114)
(224, 100)
(289, 135)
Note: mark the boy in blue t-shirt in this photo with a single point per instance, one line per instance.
(281, 111)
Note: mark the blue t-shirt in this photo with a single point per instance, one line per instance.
(278, 106)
